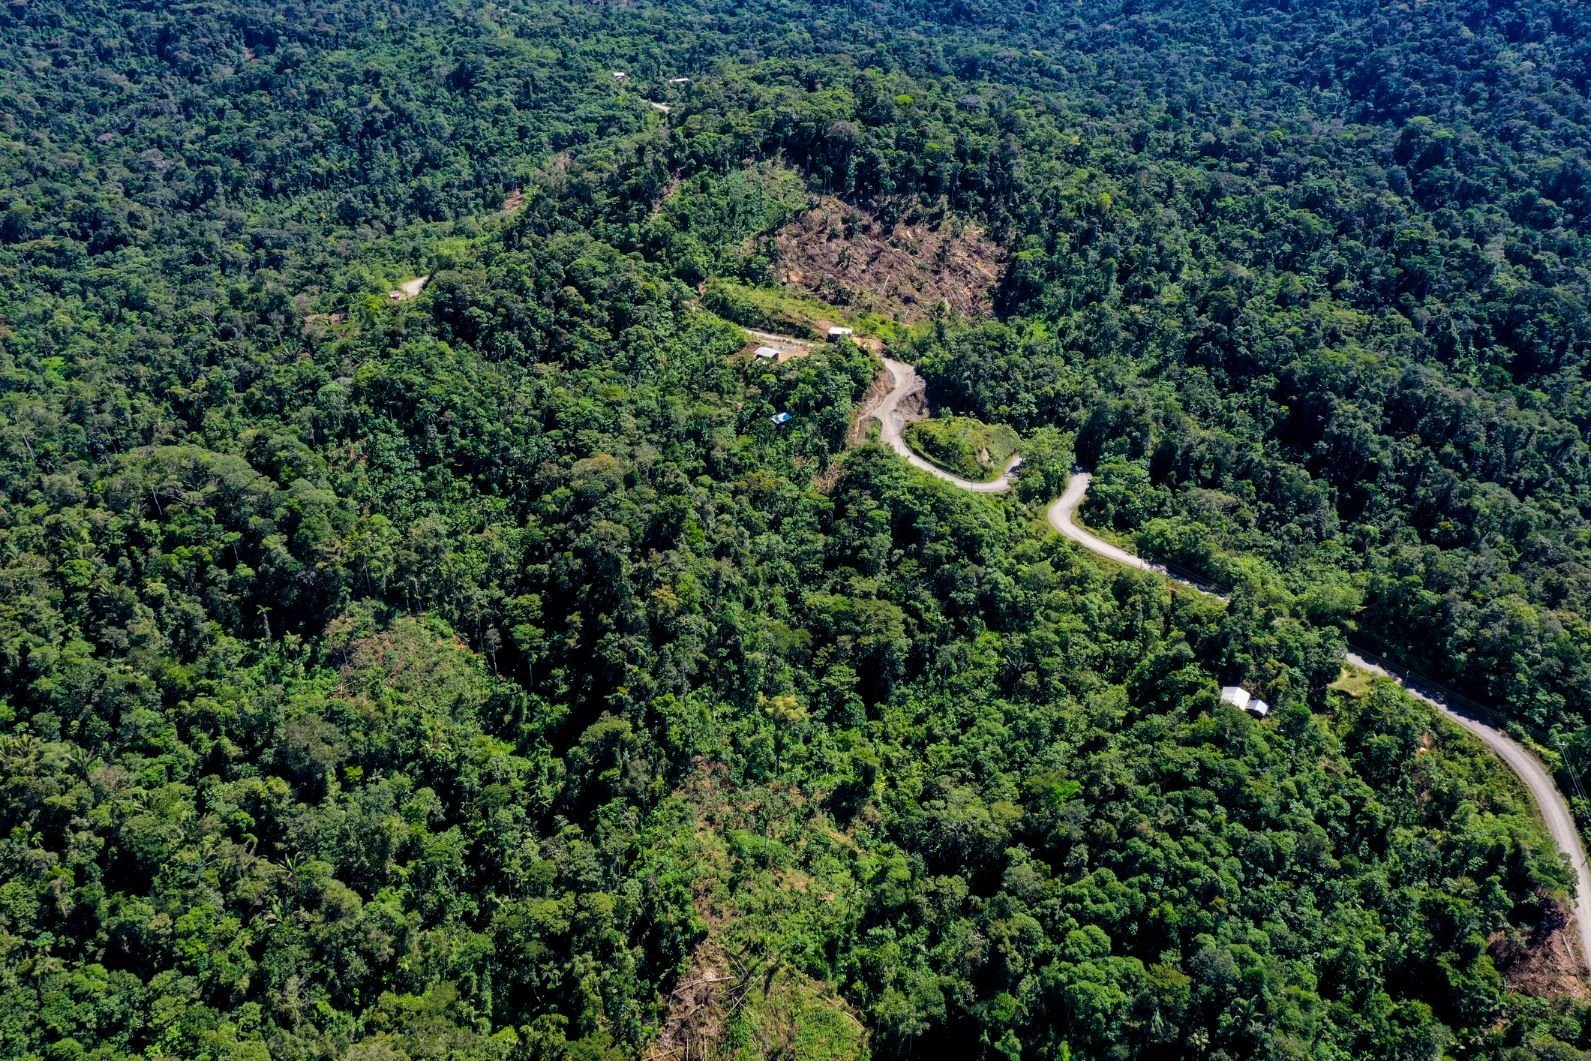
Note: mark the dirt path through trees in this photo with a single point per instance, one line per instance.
(1550, 803)
(905, 403)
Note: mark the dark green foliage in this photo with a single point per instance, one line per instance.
(463, 677)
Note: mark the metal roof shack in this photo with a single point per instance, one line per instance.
(840, 333)
(780, 419)
(1243, 700)
(767, 353)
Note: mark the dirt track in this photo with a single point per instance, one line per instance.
(1549, 801)
(1062, 515)
(1538, 781)
(787, 345)
(893, 414)
(408, 289)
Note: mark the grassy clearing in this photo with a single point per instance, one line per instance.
(778, 309)
(1353, 681)
(964, 446)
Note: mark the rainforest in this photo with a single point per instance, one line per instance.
(526, 528)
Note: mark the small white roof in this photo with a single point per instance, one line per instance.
(835, 333)
(767, 351)
(1243, 700)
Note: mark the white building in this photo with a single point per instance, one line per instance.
(1241, 699)
(767, 353)
(840, 333)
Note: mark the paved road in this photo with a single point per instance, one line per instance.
(893, 420)
(1549, 801)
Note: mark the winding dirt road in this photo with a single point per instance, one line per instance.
(1062, 515)
(1549, 800)
(893, 418)
(1544, 792)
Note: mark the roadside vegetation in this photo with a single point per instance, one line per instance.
(779, 309)
(964, 446)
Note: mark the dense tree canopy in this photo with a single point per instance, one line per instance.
(484, 674)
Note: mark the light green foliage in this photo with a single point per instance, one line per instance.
(782, 309)
(707, 226)
(965, 446)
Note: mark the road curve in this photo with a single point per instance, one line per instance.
(893, 419)
(1549, 800)
(1538, 781)
(1063, 517)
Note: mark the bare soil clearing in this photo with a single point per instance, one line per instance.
(871, 343)
(408, 289)
(882, 384)
(788, 346)
(1544, 965)
(848, 257)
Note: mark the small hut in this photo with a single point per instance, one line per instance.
(1243, 700)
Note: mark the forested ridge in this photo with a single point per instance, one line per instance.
(486, 675)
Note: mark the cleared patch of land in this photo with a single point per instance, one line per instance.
(408, 289)
(850, 258)
(1543, 964)
(1353, 681)
(781, 310)
(965, 446)
(319, 322)
(788, 347)
(759, 856)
